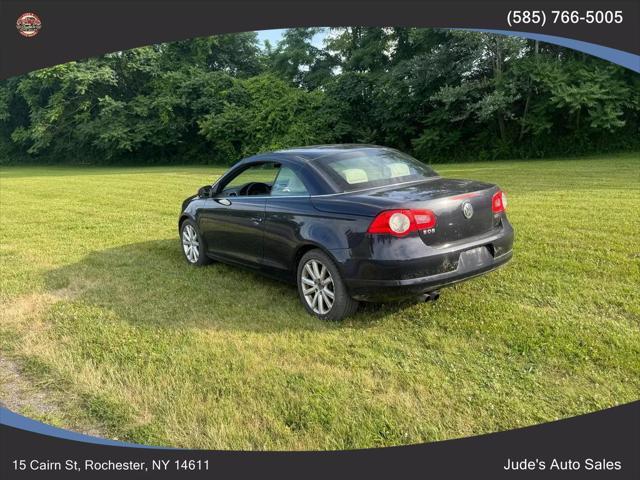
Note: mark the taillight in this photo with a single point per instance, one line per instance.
(499, 202)
(402, 222)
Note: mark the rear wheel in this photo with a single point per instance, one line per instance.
(321, 288)
(192, 244)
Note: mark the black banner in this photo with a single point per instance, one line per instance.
(72, 30)
(604, 444)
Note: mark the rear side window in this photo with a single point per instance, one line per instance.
(372, 168)
(288, 183)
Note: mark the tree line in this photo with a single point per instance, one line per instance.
(438, 94)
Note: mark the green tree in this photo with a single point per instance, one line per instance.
(297, 60)
(264, 113)
(438, 94)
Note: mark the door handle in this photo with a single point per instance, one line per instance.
(257, 220)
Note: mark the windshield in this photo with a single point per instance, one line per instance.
(360, 169)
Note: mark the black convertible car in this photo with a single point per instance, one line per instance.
(348, 223)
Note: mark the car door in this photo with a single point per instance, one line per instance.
(287, 212)
(232, 222)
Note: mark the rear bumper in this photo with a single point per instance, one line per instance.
(376, 279)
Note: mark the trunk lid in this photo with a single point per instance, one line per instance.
(444, 196)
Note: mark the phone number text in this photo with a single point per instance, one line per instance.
(540, 17)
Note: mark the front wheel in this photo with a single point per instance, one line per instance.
(321, 288)
(192, 244)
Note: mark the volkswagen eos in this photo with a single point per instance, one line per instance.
(348, 223)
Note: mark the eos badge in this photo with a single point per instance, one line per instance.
(467, 210)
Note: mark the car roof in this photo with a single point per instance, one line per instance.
(322, 184)
(312, 152)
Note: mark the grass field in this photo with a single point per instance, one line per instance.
(106, 329)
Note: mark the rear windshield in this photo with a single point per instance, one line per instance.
(373, 168)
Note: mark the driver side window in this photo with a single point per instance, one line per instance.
(254, 180)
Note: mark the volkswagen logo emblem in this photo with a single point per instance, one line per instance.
(467, 210)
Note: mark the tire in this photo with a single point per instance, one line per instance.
(316, 274)
(193, 246)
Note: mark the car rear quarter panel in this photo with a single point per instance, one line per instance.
(294, 223)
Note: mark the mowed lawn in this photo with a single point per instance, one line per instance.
(110, 331)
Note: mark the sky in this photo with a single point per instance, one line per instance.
(275, 35)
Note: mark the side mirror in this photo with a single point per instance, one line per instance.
(204, 192)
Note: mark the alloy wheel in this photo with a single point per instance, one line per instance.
(318, 287)
(190, 243)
